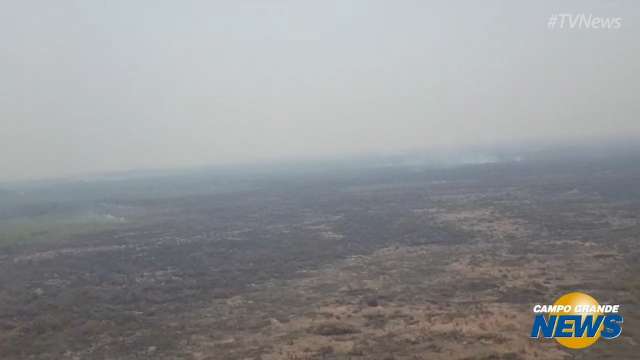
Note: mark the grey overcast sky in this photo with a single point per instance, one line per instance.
(91, 86)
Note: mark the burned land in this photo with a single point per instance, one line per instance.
(367, 263)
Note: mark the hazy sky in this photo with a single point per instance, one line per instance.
(91, 85)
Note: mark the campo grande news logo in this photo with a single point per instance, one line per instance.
(576, 321)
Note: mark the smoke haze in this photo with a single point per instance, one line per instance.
(92, 86)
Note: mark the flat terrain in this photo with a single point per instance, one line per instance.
(383, 263)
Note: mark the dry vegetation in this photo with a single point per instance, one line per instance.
(414, 269)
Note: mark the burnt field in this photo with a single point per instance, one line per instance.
(383, 263)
